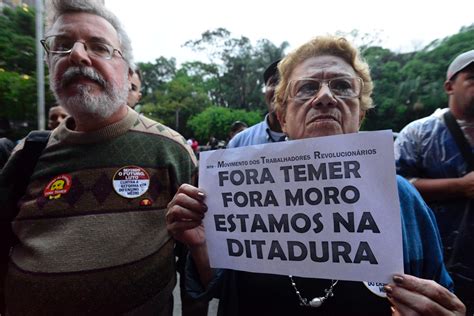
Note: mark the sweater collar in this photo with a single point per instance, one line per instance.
(64, 134)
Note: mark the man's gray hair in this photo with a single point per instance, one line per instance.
(95, 7)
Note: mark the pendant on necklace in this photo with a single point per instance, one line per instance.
(316, 302)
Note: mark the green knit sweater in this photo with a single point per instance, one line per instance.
(91, 227)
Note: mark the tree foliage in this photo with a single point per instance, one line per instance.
(203, 98)
(409, 86)
(177, 100)
(18, 93)
(216, 121)
(156, 75)
(17, 40)
(236, 67)
(17, 100)
(232, 79)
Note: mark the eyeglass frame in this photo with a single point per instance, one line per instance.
(323, 81)
(111, 49)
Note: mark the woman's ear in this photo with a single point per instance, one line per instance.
(361, 117)
(282, 119)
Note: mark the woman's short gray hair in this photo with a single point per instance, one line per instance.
(61, 7)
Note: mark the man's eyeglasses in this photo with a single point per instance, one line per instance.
(304, 89)
(58, 44)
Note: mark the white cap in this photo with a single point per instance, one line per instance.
(459, 63)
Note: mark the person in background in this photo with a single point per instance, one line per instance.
(134, 93)
(213, 143)
(325, 89)
(236, 128)
(269, 130)
(189, 141)
(194, 144)
(427, 154)
(84, 239)
(56, 115)
(6, 147)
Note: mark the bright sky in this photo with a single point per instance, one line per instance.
(160, 28)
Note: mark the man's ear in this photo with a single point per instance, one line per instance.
(448, 87)
(361, 117)
(282, 119)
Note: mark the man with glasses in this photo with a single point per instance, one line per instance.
(88, 235)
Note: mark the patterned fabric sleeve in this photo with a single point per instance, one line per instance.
(422, 250)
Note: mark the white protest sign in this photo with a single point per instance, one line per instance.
(323, 207)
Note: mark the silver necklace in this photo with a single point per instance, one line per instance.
(317, 301)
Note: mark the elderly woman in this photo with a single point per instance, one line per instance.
(324, 89)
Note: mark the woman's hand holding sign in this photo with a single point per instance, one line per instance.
(415, 296)
(184, 222)
(184, 217)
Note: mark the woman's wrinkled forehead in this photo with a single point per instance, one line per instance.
(325, 66)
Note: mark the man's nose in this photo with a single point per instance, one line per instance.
(79, 55)
(324, 96)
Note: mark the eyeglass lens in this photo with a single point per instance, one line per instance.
(61, 44)
(343, 87)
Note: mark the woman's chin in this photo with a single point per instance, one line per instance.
(323, 129)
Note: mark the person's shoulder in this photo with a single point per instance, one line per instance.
(245, 137)
(422, 130)
(6, 144)
(239, 138)
(235, 141)
(426, 123)
(148, 126)
(251, 130)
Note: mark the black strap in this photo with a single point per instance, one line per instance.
(18, 178)
(34, 145)
(466, 152)
(460, 139)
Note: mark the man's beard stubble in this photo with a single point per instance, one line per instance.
(103, 105)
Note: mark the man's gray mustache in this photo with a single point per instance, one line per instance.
(71, 73)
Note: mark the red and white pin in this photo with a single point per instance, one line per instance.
(57, 187)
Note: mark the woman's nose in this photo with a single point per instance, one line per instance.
(324, 97)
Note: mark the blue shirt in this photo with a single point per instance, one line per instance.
(257, 134)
